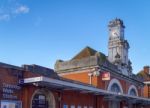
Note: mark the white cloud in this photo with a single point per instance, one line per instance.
(22, 9)
(4, 17)
(11, 9)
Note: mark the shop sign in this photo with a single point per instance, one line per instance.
(8, 91)
(105, 76)
(28, 80)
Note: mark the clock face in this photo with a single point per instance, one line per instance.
(114, 33)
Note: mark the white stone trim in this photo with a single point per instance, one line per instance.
(71, 73)
(116, 82)
(132, 87)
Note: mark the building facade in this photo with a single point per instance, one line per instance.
(90, 66)
(89, 80)
(145, 76)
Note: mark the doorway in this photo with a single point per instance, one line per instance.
(42, 98)
(39, 101)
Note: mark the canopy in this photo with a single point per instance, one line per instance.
(85, 88)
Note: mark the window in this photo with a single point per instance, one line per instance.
(133, 92)
(115, 88)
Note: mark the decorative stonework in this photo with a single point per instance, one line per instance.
(118, 47)
(88, 57)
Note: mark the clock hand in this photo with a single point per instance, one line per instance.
(116, 33)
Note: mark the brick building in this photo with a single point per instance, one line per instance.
(88, 80)
(145, 75)
(90, 66)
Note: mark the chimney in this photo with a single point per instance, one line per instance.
(147, 69)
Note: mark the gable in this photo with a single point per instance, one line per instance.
(86, 52)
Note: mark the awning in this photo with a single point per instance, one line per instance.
(66, 85)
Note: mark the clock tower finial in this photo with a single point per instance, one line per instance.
(116, 22)
(118, 45)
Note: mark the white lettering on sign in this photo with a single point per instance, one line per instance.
(28, 80)
(6, 90)
(9, 96)
(9, 90)
(11, 86)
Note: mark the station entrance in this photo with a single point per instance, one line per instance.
(42, 98)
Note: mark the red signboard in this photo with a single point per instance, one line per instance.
(105, 76)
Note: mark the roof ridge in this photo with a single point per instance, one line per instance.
(87, 51)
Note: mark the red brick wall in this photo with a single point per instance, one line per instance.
(67, 97)
(146, 91)
(9, 76)
(82, 77)
(75, 98)
(97, 81)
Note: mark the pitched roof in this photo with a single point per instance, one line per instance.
(145, 76)
(86, 52)
(85, 58)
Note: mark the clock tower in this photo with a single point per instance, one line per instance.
(118, 46)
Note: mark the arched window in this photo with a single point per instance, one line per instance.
(133, 92)
(115, 88)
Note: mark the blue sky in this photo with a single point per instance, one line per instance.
(42, 31)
